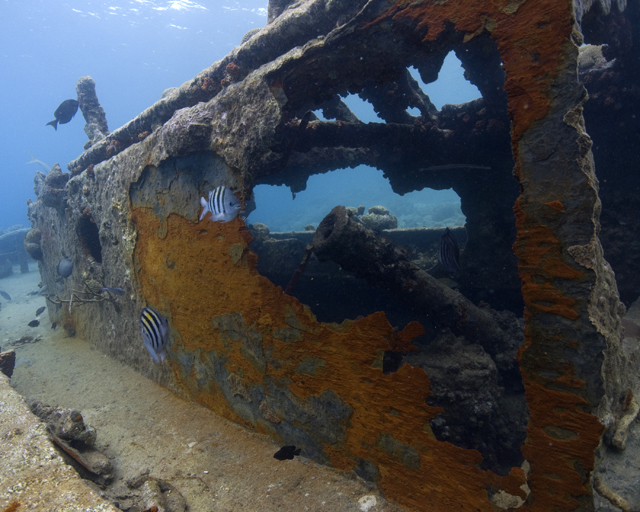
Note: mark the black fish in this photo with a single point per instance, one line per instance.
(34, 323)
(54, 325)
(64, 113)
(40, 310)
(5, 295)
(287, 453)
(65, 267)
(449, 252)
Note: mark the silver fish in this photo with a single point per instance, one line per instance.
(5, 295)
(44, 166)
(155, 333)
(65, 267)
(115, 291)
(449, 252)
(223, 205)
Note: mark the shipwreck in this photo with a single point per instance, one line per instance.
(510, 391)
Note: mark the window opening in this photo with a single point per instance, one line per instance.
(362, 109)
(89, 236)
(283, 227)
(364, 186)
(451, 86)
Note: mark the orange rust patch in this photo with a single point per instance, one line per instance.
(204, 284)
(568, 379)
(560, 467)
(547, 298)
(529, 38)
(556, 205)
(402, 341)
(540, 261)
(559, 457)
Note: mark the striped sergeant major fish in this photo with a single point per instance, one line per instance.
(449, 253)
(223, 205)
(155, 333)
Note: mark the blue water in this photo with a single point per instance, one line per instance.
(134, 50)
(365, 185)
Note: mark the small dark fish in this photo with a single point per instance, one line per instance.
(287, 453)
(223, 205)
(65, 267)
(155, 333)
(33, 323)
(449, 252)
(115, 291)
(5, 295)
(54, 325)
(64, 113)
(40, 310)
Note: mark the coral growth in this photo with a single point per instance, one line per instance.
(207, 84)
(233, 70)
(113, 147)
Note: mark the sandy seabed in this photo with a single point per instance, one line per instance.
(216, 465)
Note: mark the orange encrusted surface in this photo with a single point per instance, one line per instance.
(529, 35)
(189, 276)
